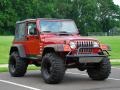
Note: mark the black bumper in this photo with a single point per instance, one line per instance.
(86, 58)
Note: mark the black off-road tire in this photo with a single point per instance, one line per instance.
(52, 68)
(101, 71)
(17, 66)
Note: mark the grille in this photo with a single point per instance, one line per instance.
(84, 43)
(85, 47)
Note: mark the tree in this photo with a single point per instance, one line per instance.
(8, 17)
(108, 15)
(89, 15)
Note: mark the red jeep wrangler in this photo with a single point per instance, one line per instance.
(55, 45)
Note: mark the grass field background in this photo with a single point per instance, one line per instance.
(5, 43)
(113, 41)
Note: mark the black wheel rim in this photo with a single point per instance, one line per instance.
(12, 65)
(47, 68)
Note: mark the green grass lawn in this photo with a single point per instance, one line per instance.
(5, 43)
(30, 67)
(113, 41)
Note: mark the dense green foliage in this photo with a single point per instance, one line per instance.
(90, 15)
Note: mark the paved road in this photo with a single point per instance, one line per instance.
(73, 80)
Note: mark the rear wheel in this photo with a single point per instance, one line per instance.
(100, 71)
(17, 66)
(52, 69)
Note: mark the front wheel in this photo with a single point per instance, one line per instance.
(52, 68)
(101, 70)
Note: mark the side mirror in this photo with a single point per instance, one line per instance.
(78, 31)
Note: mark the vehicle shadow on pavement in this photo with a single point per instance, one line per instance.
(68, 78)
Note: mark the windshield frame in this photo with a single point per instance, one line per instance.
(59, 20)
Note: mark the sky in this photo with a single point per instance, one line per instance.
(117, 2)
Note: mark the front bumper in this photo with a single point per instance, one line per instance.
(86, 58)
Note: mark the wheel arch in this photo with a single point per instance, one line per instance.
(48, 50)
(19, 49)
(55, 48)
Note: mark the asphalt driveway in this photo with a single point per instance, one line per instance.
(73, 80)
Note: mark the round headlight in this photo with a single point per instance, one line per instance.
(72, 45)
(95, 44)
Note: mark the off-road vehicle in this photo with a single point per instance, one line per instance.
(55, 45)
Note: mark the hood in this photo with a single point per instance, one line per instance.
(61, 39)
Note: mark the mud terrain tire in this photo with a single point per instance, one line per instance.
(101, 71)
(52, 69)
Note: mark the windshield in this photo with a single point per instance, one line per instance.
(58, 26)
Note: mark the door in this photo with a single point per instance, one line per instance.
(32, 39)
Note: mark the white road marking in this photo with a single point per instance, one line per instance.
(20, 85)
(32, 88)
(116, 79)
(115, 67)
(77, 73)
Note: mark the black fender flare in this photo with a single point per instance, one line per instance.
(19, 48)
(53, 47)
(56, 47)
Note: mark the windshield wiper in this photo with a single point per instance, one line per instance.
(46, 31)
(60, 32)
(63, 32)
